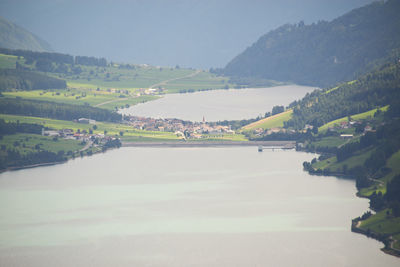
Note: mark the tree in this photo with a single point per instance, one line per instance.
(44, 65)
(277, 110)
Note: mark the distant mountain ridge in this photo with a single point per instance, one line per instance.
(13, 36)
(325, 53)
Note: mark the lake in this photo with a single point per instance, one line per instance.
(182, 207)
(233, 104)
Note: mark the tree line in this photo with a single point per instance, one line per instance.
(13, 158)
(373, 90)
(53, 110)
(51, 57)
(16, 127)
(28, 80)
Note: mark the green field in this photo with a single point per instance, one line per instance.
(118, 86)
(142, 76)
(394, 166)
(131, 77)
(113, 129)
(8, 61)
(335, 166)
(330, 141)
(379, 223)
(361, 116)
(25, 143)
(97, 98)
(383, 224)
(200, 81)
(270, 122)
(172, 80)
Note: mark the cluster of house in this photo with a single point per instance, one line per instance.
(186, 129)
(139, 92)
(337, 127)
(81, 135)
(347, 125)
(150, 91)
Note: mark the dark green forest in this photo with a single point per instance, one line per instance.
(324, 53)
(16, 127)
(54, 110)
(28, 80)
(373, 90)
(56, 58)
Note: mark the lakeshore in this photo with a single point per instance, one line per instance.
(269, 144)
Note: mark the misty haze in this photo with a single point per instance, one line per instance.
(199, 133)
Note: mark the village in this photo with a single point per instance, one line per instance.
(183, 129)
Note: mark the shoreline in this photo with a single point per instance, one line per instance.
(16, 168)
(385, 239)
(266, 144)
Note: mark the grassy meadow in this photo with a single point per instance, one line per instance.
(270, 122)
(112, 129)
(361, 116)
(118, 85)
(383, 224)
(334, 166)
(9, 61)
(26, 143)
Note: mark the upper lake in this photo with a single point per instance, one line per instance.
(218, 105)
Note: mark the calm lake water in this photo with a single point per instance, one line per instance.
(218, 105)
(182, 207)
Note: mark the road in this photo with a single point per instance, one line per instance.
(151, 87)
(175, 79)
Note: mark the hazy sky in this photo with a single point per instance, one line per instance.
(191, 33)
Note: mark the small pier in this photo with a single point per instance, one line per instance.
(284, 147)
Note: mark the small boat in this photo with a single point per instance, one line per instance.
(260, 148)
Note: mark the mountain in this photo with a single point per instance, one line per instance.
(324, 53)
(15, 37)
(188, 33)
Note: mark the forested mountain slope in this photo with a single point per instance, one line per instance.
(373, 90)
(324, 53)
(15, 37)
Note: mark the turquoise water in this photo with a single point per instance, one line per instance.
(182, 207)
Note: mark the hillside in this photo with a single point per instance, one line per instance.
(15, 37)
(324, 53)
(355, 127)
(373, 90)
